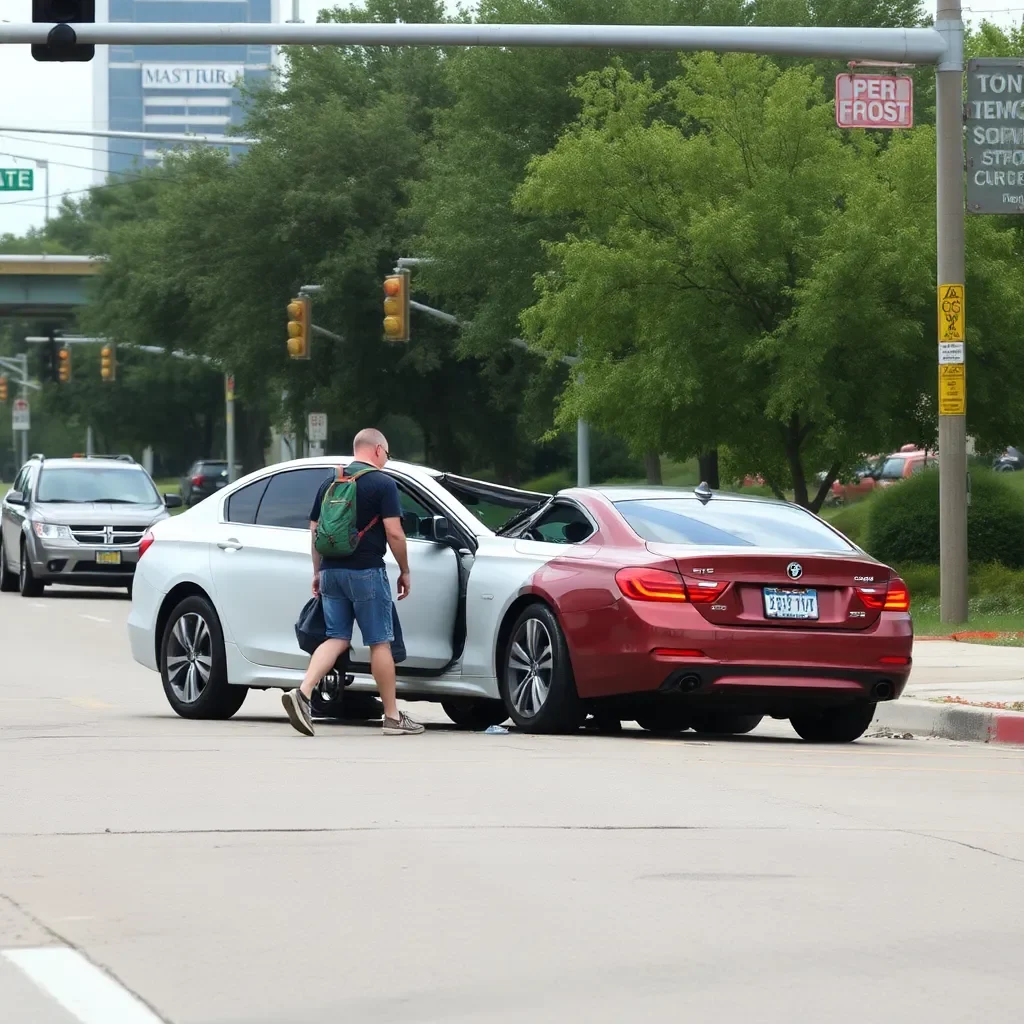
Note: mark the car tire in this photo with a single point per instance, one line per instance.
(8, 579)
(720, 723)
(197, 687)
(537, 683)
(835, 725)
(28, 585)
(664, 720)
(474, 712)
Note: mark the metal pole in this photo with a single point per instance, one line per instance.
(949, 84)
(229, 424)
(296, 18)
(88, 442)
(45, 165)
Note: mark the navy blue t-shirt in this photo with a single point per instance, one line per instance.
(376, 495)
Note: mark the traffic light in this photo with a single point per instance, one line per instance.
(3, 389)
(108, 363)
(299, 316)
(62, 42)
(64, 364)
(396, 306)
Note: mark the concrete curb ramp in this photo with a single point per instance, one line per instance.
(949, 721)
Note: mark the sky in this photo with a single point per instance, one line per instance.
(60, 96)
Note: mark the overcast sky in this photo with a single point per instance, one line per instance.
(60, 96)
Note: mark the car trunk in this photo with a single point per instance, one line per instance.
(777, 590)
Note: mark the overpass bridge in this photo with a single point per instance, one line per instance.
(45, 286)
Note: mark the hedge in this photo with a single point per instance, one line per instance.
(903, 526)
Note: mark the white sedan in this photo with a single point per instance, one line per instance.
(673, 608)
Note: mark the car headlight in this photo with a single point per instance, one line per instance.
(52, 531)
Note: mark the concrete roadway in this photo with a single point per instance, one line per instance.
(236, 872)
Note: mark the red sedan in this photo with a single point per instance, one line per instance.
(696, 609)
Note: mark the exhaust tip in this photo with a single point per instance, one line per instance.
(689, 683)
(882, 690)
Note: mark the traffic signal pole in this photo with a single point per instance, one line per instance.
(949, 206)
(941, 45)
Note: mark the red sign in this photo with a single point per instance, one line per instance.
(874, 101)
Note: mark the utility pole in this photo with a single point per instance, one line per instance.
(949, 130)
(229, 424)
(45, 166)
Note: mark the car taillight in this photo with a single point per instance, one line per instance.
(144, 544)
(662, 585)
(895, 597)
(197, 481)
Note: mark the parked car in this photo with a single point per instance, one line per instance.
(1012, 459)
(905, 463)
(205, 477)
(671, 608)
(78, 521)
(862, 481)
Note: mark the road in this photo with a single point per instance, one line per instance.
(237, 873)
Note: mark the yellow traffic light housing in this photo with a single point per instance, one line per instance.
(396, 306)
(64, 365)
(108, 363)
(3, 389)
(299, 326)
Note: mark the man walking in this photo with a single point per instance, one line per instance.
(354, 586)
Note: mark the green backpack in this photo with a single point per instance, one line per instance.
(336, 533)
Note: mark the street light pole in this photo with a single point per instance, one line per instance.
(949, 131)
(45, 166)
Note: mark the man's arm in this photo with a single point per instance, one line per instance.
(396, 541)
(316, 557)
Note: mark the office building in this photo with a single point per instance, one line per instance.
(172, 89)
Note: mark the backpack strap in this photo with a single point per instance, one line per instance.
(355, 476)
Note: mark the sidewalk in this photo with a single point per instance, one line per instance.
(950, 686)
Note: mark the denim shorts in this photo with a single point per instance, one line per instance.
(362, 596)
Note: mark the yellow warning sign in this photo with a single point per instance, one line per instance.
(952, 389)
(951, 312)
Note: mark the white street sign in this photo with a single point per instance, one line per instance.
(951, 352)
(20, 414)
(316, 429)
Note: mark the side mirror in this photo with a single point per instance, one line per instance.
(435, 528)
(172, 500)
(15, 498)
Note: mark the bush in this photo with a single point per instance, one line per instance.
(903, 525)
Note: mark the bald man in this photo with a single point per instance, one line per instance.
(355, 589)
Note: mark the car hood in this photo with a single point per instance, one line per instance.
(100, 513)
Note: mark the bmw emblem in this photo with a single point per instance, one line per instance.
(794, 570)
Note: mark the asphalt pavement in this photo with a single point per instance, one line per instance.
(154, 869)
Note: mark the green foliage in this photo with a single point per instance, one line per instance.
(904, 521)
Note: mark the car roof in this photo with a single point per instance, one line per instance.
(649, 492)
(87, 464)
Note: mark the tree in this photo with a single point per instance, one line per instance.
(754, 281)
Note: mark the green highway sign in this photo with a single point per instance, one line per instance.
(16, 179)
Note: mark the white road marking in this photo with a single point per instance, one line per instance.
(94, 618)
(86, 992)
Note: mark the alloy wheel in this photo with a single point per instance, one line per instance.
(189, 657)
(531, 662)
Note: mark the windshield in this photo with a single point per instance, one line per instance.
(893, 469)
(124, 486)
(740, 524)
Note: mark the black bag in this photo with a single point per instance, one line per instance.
(311, 630)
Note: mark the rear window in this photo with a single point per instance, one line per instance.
(735, 524)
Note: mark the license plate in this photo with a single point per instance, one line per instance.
(108, 557)
(790, 604)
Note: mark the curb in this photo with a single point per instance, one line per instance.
(949, 722)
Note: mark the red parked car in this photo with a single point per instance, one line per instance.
(905, 463)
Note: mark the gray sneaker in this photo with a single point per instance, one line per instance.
(297, 707)
(404, 726)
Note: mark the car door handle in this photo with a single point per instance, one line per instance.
(229, 545)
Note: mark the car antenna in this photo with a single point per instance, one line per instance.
(703, 492)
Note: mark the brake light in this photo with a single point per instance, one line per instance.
(677, 652)
(662, 585)
(895, 597)
(197, 481)
(146, 542)
(651, 585)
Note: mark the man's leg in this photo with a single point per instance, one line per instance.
(382, 665)
(325, 657)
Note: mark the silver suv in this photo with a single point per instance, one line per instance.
(77, 521)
